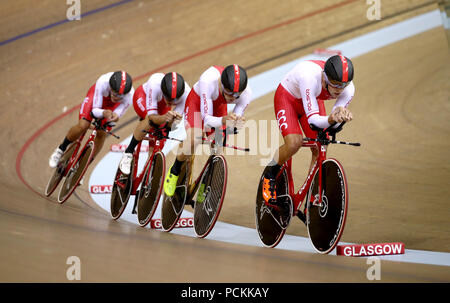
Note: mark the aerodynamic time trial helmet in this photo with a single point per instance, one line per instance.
(172, 86)
(121, 82)
(339, 69)
(234, 80)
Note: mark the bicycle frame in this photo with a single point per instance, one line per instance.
(76, 155)
(159, 144)
(213, 152)
(298, 197)
(321, 145)
(193, 186)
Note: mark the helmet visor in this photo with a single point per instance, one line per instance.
(116, 94)
(335, 84)
(230, 93)
(169, 100)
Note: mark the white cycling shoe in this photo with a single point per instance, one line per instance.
(125, 163)
(55, 157)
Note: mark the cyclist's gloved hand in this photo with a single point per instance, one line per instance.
(240, 122)
(171, 116)
(340, 114)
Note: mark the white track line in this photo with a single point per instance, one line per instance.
(262, 84)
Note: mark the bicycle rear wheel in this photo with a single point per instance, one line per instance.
(326, 222)
(151, 189)
(59, 171)
(76, 172)
(271, 224)
(172, 207)
(207, 208)
(121, 192)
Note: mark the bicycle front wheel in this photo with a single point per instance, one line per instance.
(59, 171)
(121, 192)
(151, 189)
(76, 172)
(326, 221)
(210, 196)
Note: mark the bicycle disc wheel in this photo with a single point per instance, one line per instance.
(151, 189)
(59, 170)
(172, 207)
(121, 192)
(207, 208)
(326, 222)
(270, 223)
(76, 172)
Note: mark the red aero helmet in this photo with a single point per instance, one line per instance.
(172, 86)
(121, 82)
(339, 68)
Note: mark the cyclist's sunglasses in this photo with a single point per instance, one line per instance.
(335, 85)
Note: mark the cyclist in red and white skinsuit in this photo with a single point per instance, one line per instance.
(159, 100)
(206, 107)
(108, 98)
(299, 102)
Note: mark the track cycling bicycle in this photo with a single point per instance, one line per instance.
(326, 192)
(210, 187)
(75, 161)
(150, 179)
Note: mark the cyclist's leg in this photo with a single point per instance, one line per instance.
(99, 141)
(287, 110)
(292, 143)
(185, 151)
(194, 130)
(72, 135)
(141, 130)
(77, 130)
(84, 117)
(139, 133)
(139, 105)
(84, 121)
(312, 134)
(193, 126)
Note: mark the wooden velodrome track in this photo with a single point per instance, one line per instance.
(398, 179)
